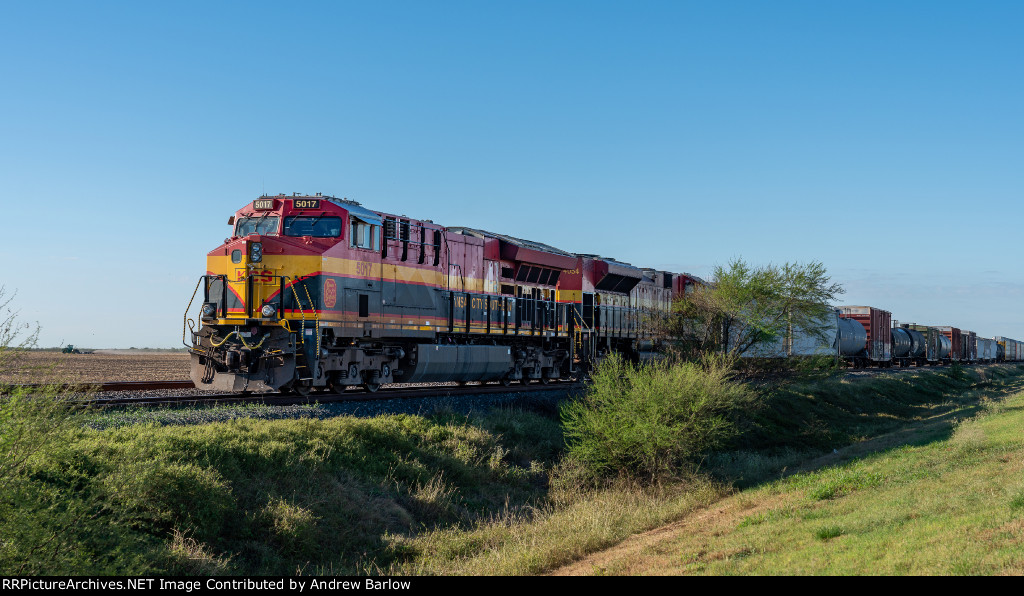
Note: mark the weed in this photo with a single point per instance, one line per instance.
(646, 421)
(1017, 502)
(753, 520)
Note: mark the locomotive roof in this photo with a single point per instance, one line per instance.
(611, 261)
(357, 210)
(353, 207)
(511, 240)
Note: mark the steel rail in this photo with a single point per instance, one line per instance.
(104, 386)
(354, 394)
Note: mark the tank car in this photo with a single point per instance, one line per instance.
(831, 335)
(931, 346)
(877, 324)
(956, 343)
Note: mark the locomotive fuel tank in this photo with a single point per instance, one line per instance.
(430, 363)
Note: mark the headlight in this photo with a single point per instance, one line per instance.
(209, 309)
(268, 311)
(256, 252)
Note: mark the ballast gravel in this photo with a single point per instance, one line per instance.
(439, 403)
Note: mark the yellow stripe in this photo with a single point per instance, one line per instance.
(301, 265)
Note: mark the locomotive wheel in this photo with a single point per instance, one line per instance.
(507, 382)
(545, 380)
(371, 382)
(296, 388)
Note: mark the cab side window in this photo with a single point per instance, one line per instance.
(363, 235)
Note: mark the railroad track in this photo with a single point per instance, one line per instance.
(394, 392)
(402, 392)
(102, 387)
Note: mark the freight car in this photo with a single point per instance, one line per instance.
(987, 352)
(1009, 350)
(877, 324)
(930, 346)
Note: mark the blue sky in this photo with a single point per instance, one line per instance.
(881, 138)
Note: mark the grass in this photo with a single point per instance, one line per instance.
(828, 532)
(595, 520)
(802, 420)
(495, 494)
(952, 504)
(526, 544)
(273, 497)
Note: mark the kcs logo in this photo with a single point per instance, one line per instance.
(263, 277)
(330, 293)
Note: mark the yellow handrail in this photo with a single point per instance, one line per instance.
(185, 322)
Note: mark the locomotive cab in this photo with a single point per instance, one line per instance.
(262, 293)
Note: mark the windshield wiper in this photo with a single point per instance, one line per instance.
(260, 223)
(312, 225)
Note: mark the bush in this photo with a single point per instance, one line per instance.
(647, 421)
(55, 514)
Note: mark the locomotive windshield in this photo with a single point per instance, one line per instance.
(316, 226)
(264, 226)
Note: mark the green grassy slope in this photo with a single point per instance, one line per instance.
(489, 493)
(948, 498)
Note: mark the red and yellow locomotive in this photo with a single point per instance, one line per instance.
(318, 292)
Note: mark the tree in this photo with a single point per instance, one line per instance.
(16, 338)
(50, 502)
(746, 307)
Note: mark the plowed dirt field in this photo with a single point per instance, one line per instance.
(102, 365)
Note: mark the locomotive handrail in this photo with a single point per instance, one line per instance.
(302, 313)
(185, 321)
(248, 295)
(316, 318)
(188, 323)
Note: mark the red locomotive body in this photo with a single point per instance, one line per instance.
(315, 291)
